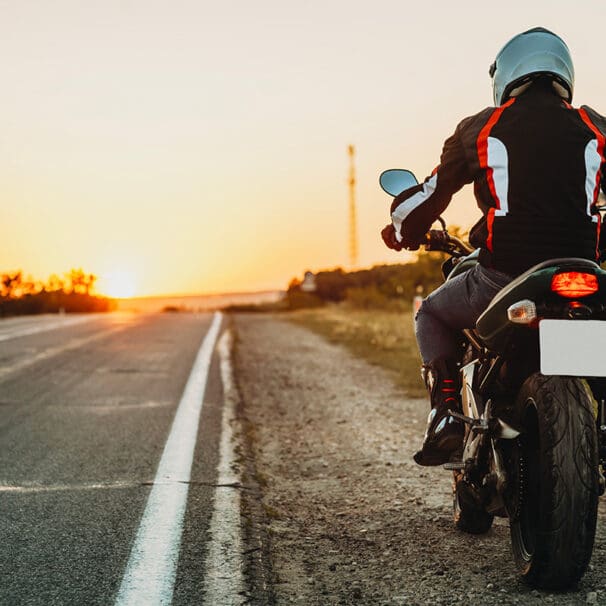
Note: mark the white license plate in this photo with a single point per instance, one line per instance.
(573, 347)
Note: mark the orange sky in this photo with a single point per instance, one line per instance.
(193, 146)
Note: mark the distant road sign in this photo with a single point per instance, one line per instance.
(309, 282)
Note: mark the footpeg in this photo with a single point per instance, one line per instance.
(477, 425)
(454, 466)
(458, 415)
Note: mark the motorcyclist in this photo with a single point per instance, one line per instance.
(536, 164)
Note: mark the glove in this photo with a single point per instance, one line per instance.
(388, 233)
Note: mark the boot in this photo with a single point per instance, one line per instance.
(443, 438)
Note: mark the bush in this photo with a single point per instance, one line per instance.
(19, 295)
(54, 302)
(297, 299)
(371, 297)
(381, 287)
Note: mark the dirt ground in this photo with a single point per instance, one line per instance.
(346, 515)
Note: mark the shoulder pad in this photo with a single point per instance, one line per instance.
(597, 119)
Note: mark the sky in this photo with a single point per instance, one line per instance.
(189, 146)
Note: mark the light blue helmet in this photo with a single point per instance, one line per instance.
(529, 55)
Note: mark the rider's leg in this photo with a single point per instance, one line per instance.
(457, 304)
(444, 434)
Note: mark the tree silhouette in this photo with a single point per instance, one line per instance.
(80, 282)
(26, 296)
(11, 284)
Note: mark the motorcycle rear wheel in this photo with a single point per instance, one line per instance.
(554, 480)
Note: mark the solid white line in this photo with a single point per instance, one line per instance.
(42, 325)
(34, 488)
(59, 349)
(39, 324)
(150, 573)
(224, 578)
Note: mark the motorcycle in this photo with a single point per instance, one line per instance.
(533, 395)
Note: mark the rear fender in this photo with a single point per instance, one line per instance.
(494, 327)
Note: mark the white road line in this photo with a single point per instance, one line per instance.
(150, 573)
(224, 579)
(42, 325)
(54, 351)
(34, 488)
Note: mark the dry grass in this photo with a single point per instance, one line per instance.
(384, 338)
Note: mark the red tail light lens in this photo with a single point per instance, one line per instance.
(573, 284)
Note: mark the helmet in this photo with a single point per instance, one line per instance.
(529, 55)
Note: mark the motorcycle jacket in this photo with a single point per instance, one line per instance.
(536, 164)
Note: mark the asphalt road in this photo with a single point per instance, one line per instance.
(86, 407)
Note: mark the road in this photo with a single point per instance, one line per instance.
(118, 484)
(96, 506)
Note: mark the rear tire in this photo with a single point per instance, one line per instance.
(554, 483)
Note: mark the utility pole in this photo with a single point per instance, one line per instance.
(353, 229)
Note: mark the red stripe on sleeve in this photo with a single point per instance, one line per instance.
(600, 137)
(482, 145)
(489, 224)
(596, 192)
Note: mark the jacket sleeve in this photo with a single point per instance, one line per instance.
(600, 122)
(602, 236)
(415, 209)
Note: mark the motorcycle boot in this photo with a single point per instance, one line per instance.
(443, 438)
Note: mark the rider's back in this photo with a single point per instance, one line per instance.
(535, 163)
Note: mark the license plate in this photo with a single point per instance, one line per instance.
(573, 347)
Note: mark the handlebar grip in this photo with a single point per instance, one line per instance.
(436, 239)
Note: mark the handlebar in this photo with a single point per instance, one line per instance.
(440, 239)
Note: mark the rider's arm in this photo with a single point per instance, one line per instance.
(415, 209)
(599, 122)
(602, 240)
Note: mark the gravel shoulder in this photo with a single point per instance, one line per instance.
(347, 516)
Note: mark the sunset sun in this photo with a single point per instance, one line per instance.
(118, 284)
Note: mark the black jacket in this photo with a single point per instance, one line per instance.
(536, 164)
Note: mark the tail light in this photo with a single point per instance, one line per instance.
(574, 284)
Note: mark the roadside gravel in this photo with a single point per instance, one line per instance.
(349, 518)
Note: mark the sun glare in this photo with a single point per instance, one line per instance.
(117, 284)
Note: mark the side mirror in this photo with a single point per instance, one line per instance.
(396, 180)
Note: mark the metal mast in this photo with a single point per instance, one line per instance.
(353, 230)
